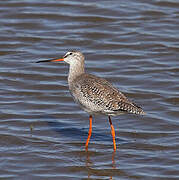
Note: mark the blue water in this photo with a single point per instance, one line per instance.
(133, 44)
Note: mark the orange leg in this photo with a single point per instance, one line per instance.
(89, 132)
(113, 134)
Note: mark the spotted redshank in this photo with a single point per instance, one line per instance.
(95, 95)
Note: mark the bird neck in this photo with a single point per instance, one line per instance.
(74, 71)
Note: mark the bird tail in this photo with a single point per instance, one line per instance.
(137, 109)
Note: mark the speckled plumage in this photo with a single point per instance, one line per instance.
(97, 96)
(94, 94)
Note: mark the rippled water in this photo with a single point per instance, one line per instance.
(133, 44)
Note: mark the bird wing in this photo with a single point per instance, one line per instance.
(100, 94)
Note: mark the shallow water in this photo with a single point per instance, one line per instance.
(133, 44)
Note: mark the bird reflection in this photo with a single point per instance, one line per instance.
(89, 163)
(113, 160)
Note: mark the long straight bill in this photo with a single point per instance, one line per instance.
(52, 60)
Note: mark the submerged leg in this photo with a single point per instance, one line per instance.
(89, 132)
(112, 133)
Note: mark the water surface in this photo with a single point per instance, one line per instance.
(133, 44)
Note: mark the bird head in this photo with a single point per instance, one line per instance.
(71, 57)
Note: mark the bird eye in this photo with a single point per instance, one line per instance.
(67, 54)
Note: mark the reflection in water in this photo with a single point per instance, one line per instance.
(89, 163)
(66, 130)
(113, 160)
